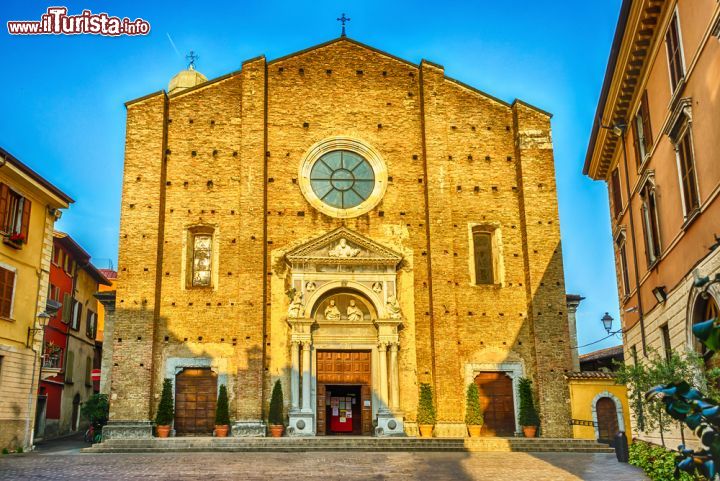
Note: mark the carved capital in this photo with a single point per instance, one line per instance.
(382, 346)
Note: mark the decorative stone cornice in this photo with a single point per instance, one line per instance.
(320, 250)
(681, 115)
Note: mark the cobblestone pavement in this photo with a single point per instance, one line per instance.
(324, 466)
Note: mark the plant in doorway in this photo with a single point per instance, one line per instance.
(275, 417)
(166, 411)
(529, 419)
(426, 411)
(473, 414)
(222, 417)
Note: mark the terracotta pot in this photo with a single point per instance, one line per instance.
(474, 430)
(276, 430)
(426, 430)
(221, 430)
(529, 431)
(162, 431)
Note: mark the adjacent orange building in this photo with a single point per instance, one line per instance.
(655, 143)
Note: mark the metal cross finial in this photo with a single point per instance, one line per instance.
(343, 19)
(192, 57)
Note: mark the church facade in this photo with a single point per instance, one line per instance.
(346, 222)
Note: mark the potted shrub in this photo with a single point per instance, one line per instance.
(473, 415)
(529, 419)
(275, 417)
(426, 411)
(166, 411)
(222, 417)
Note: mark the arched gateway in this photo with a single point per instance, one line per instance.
(344, 318)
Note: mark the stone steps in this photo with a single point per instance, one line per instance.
(200, 444)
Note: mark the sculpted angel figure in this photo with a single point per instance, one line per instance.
(332, 313)
(297, 308)
(393, 308)
(343, 250)
(353, 312)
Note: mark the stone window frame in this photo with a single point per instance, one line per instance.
(652, 236)
(189, 234)
(618, 410)
(495, 231)
(351, 144)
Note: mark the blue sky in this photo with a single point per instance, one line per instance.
(63, 114)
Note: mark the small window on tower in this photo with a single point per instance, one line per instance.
(201, 259)
(483, 256)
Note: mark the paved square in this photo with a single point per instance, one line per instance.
(347, 466)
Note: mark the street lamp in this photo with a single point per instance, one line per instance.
(43, 317)
(607, 321)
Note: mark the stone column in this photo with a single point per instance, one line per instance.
(295, 376)
(394, 378)
(573, 302)
(382, 352)
(306, 377)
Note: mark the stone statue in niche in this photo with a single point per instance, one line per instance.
(297, 308)
(332, 313)
(354, 313)
(310, 286)
(377, 287)
(393, 308)
(342, 249)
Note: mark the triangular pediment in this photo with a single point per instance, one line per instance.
(343, 246)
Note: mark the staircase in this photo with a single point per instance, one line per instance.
(349, 443)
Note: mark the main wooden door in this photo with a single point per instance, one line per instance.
(496, 403)
(338, 368)
(607, 420)
(195, 397)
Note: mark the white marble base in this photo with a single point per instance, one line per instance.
(389, 424)
(301, 424)
(246, 429)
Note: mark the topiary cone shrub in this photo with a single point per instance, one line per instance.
(426, 411)
(275, 416)
(473, 414)
(529, 418)
(222, 417)
(166, 410)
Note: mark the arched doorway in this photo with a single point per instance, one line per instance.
(607, 421)
(704, 310)
(75, 420)
(195, 398)
(496, 403)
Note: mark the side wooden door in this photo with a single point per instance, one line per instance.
(607, 420)
(496, 403)
(195, 398)
(321, 410)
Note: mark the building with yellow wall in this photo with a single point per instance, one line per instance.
(29, 207)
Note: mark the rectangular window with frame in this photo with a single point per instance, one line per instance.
(76, 316)
(201, 260)
(622, 259)
(674, 53)
(615, 192)
(686, 171)
(90, 324)
(7, 288)
(665, 334)
(14, 215)
(642, 131)
(650, 222)
(483, 256)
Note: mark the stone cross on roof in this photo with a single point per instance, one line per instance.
(343, 19)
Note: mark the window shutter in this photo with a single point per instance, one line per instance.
(7, 280)
(69, 366)
(67, 308)
(4, 197)
(647, 130)
(25, 225)
(616, 195)
(636, 142)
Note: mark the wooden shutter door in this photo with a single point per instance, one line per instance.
(25, 222)
(4, 197)
(321, 409)
(366, 400)
(647, 130)
(7, 280)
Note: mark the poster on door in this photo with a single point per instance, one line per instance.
(341, 417)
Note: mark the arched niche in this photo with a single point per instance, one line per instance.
(343, 297)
